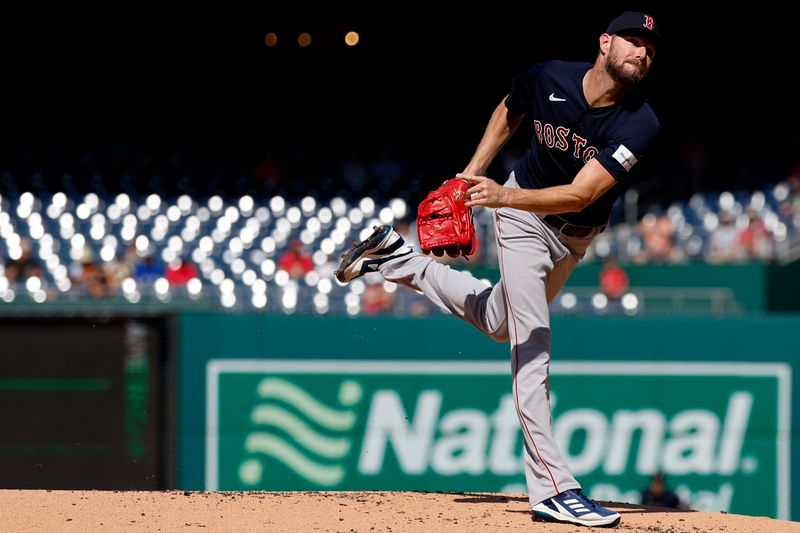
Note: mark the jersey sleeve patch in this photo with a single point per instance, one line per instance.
(625, 157)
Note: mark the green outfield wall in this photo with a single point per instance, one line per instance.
(336, 403)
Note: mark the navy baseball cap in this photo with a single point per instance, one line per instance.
(637, 23)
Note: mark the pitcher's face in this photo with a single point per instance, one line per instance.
(629, 58)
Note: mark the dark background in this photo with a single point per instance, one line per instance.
(103, 85)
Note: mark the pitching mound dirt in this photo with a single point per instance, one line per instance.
(296, 512)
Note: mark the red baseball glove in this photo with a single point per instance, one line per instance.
(444, 223)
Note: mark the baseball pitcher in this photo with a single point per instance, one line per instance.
(591, 128)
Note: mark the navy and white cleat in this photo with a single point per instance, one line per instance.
(573, 507)
(366, 256)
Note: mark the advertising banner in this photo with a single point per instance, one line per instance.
(719, 431)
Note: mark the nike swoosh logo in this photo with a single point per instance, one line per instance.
(554, 98)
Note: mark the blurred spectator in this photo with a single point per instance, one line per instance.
(296, 260)
(613, 279)
(755, 239)
(658, 494)
(89, 277)
(180, 271)
(147, 271)
(118, 268)
(658, 234)
(376, 298)
(20, 269)
(723, 245)
(412, 303)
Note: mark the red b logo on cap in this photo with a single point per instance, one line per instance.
(649, 22)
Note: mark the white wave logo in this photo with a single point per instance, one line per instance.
(307, 443)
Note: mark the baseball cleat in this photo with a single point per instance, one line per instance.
(573, 507)
(369, 254)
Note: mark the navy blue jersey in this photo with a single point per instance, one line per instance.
(568, 133)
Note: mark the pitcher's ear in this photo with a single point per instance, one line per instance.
(605, 43)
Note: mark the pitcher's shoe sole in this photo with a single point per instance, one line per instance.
(366, 256)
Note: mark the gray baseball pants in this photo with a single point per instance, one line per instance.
(535, 262)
